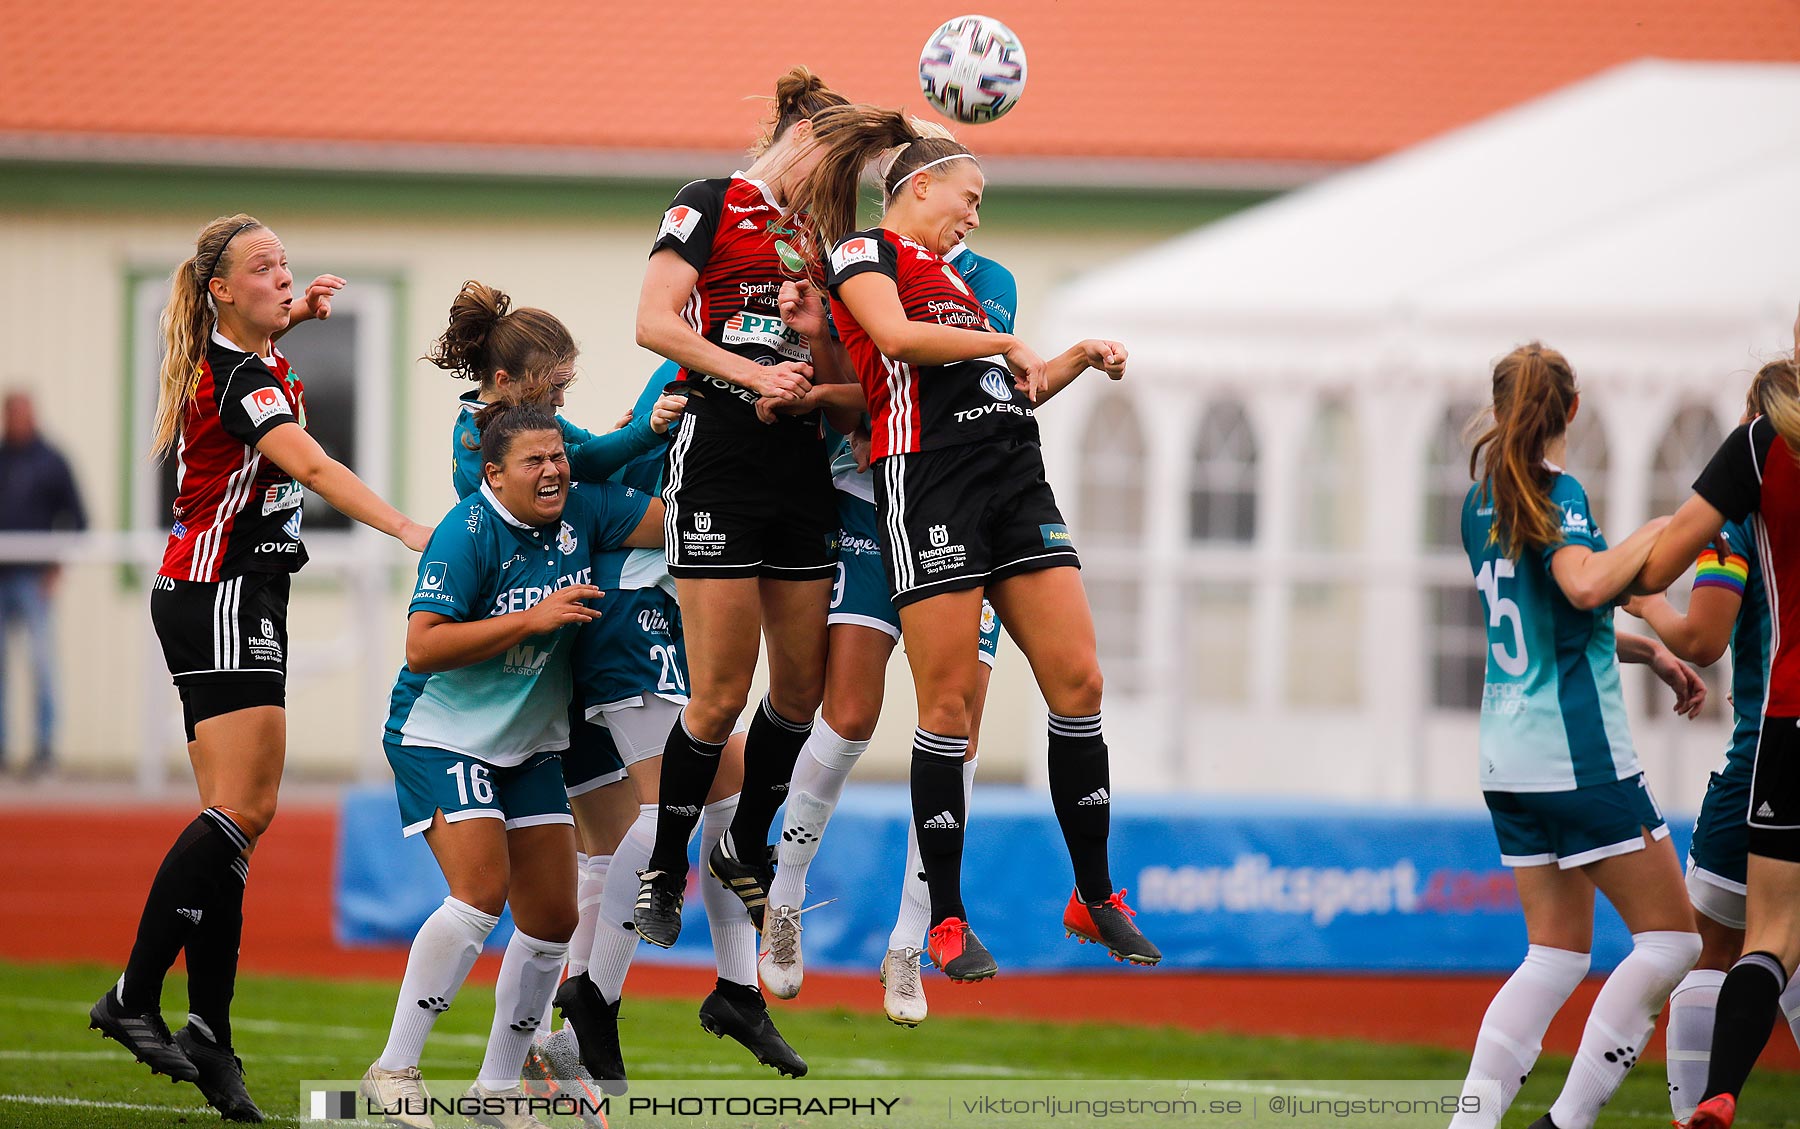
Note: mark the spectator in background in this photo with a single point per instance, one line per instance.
(37, 494)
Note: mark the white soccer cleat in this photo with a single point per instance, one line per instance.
(508, 1112)
(400, 1094)
(903, 995)
(779, 963)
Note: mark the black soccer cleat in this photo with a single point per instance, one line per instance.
(748, 881)
(958, 953)
(657, 915)
(739, 1011)
(596, 1025)
(1108, 923)
(221, 1076)
(145, 1036)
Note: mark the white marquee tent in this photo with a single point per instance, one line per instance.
(1266, 506)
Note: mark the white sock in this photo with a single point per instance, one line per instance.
(1790, 1005)
(1512, 1031)
(1620, 1024)
(914, 916)
(733, 934)
(528, 979)
(819, 775)
(615, 941)
(442, 954)
(1692, 1006)
(587, 898)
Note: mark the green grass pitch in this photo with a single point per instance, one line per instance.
(56, 1073)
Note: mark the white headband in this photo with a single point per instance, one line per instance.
(931, 165)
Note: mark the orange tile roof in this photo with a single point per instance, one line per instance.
(1271, 80)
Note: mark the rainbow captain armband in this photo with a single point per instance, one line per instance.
(1718, 568)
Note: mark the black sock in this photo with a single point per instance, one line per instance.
(688, 768)
(745, 995)
(1749, 1001)
(938, 817)
(212, 958)
(770, 750)
(185, 887)
(1081, 791)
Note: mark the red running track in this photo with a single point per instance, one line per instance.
(75, 879)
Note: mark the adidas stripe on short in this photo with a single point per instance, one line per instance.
(223, 630)
(1774, 807)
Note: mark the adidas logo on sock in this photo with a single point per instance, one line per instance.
(193, 915)
(1765, 812)
(1095, 798)
(684, 809)
(942, 821)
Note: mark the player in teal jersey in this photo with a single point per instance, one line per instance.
(1571, 807)
(864, 626)
(1729, 606)
(477, 719)
(631, 681)
(484, 332)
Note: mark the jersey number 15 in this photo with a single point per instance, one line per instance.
(1501, 610)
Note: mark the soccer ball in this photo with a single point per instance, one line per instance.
(973, 69)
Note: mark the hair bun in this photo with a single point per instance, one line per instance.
(461, 349)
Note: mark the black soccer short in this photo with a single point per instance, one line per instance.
(1774, 814)
(967, 516)
(223, 631)
(749, 500)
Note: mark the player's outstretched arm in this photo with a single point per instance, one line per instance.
(1690, 690)
(1061, 370)
(1694, 525)
(299, 454)
(1590, 578)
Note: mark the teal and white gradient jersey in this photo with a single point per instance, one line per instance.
(1552, 713)
(484, 562)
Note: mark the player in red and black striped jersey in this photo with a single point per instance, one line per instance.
(235, 511)
(233, 409)
(750, 507)
(964, 509)
(1755, 475)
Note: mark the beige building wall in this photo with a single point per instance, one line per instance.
(64, 314)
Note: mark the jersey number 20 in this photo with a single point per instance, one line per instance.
(1501, 610)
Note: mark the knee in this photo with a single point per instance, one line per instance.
(253, 818)
(852, 716)
(798, 698)
(555, 923)
(484, 892)
(1078, 694)
(710, 719)
(948, 717)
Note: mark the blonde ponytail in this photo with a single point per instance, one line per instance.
(187, 323)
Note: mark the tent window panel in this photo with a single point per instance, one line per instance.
(1447, 477)
(1115, 602)
(1692, 437)
(1458, 647)
(1222, 490)
(1112, 476)
(1331, 502)
(1216, 641)
(1324, 648)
